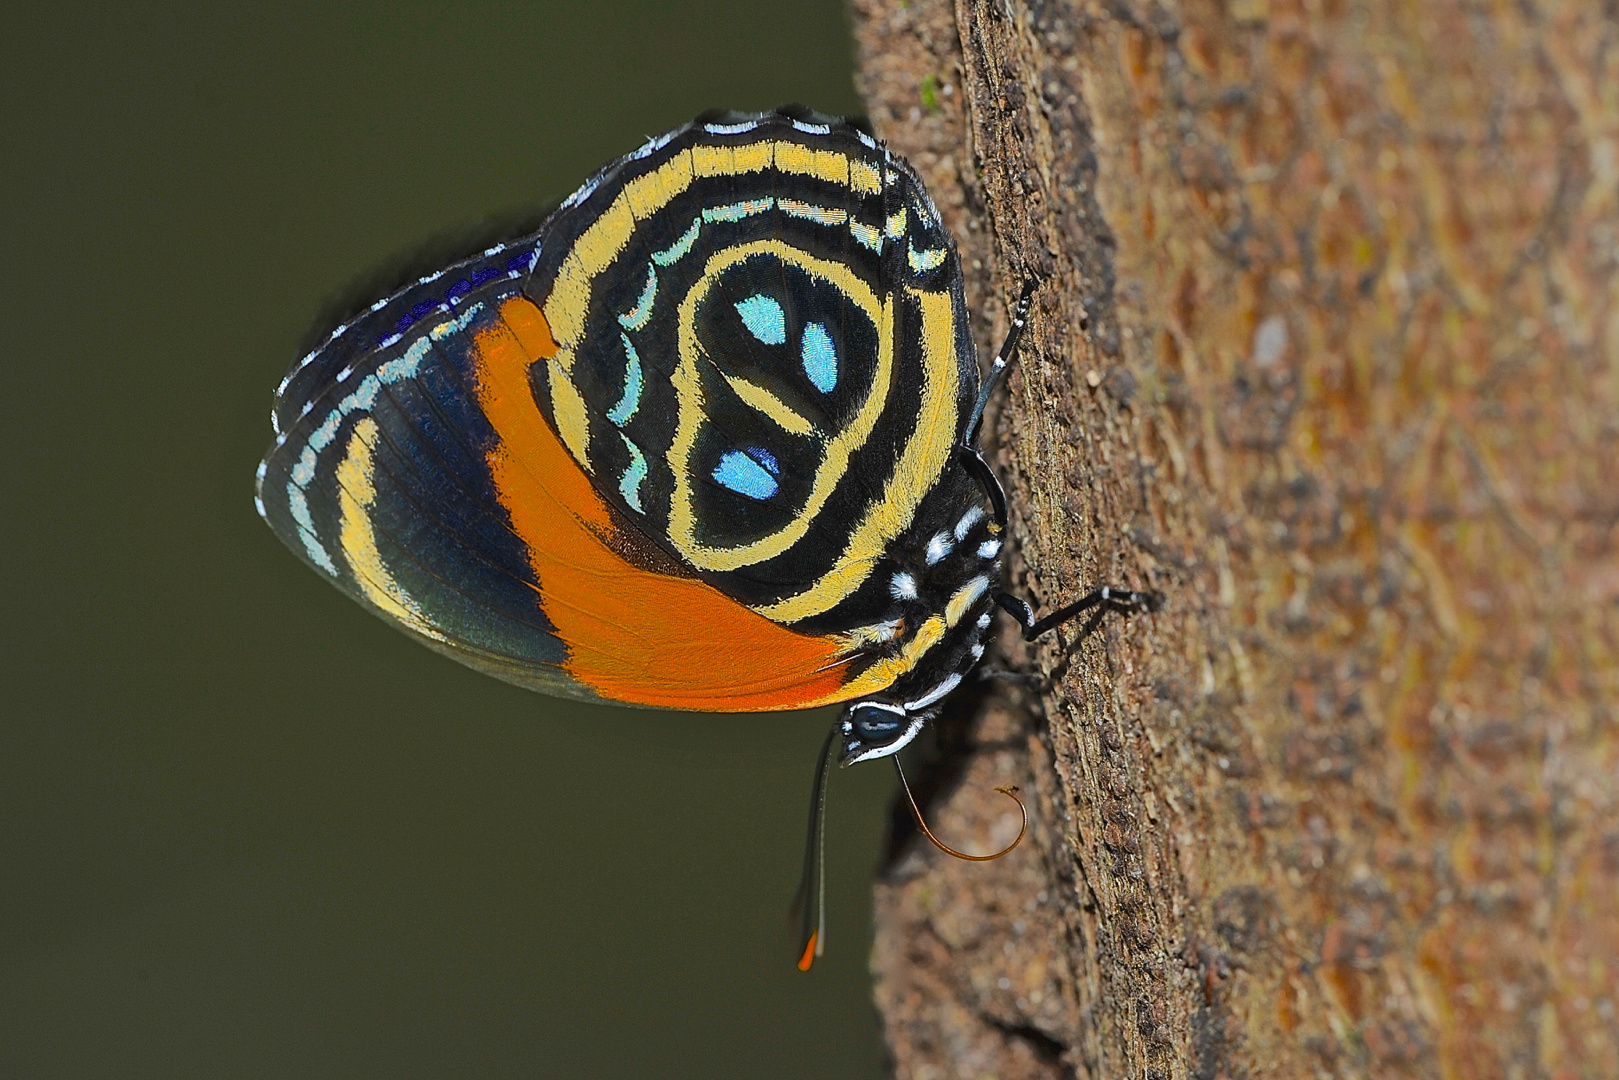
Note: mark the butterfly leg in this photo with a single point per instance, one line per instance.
(973, 461)
(1015, 678)
(1003, 358)
(1110, 595)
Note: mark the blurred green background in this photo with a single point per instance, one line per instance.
(245, 828)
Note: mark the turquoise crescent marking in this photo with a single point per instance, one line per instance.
(642, 312)
(739, 210)
(629, 485)
(926, 259)
(868, 236)
(674, 252)
(820, 357)
(763, 317)
(622, 413)
(745, 476)
(300, 513)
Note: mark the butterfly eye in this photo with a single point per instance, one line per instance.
(876, 726)
(873, 730)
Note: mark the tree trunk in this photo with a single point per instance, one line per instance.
(1327, 353)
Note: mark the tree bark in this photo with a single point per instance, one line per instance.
(1327, 353)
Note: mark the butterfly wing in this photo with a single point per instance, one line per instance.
(412, 468)
(655, 453)
(763, 358)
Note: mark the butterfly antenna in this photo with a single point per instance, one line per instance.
(1009, 792)
(810, 902)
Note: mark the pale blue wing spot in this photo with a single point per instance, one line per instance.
(822, 215)
(763, 317)
(820, 357)
(745, 476)
(867, 235)
(322, 437)
(641, 314)
(677, 250)
(630, 400)
(586, 190)
(629, 485)
(366, 396)
(299, 505)
(738, 210)
(926, 259)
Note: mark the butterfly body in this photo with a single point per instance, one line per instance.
(693, 444)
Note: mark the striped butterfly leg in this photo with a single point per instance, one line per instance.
(1109, 595)
(972, 459)
(1002, 361)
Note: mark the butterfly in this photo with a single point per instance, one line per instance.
(705, 440)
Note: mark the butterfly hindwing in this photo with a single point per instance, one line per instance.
(683, 447)
(755, 364)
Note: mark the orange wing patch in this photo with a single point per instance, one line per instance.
(633, 635)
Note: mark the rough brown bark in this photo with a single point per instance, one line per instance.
(1328, 354)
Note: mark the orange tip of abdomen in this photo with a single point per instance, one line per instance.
(808, 958)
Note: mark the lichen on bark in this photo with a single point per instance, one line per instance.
(1327, 353)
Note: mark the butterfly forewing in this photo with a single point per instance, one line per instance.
(678, 448)
(379, 476)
